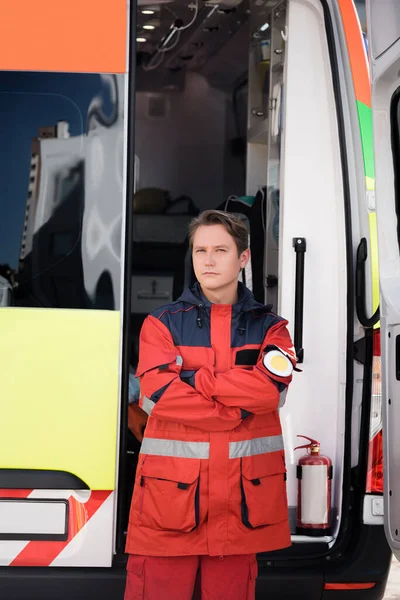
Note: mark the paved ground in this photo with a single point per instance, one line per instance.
(393, 587)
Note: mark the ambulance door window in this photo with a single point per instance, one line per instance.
(60, 235)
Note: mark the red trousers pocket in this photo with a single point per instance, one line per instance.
(134, 588)
(228, 577)
(251, 590)
(173, 578)
(161, 578)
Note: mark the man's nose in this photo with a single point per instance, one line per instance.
(210, 259)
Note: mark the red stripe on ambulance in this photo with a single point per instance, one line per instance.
(43, 553)
(6, 493)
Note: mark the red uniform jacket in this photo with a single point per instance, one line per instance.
(211, 472)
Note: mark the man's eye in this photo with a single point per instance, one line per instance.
(199, 250)
(221, 250)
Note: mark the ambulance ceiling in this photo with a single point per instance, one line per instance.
(202, 36)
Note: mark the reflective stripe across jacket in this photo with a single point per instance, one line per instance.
(211, 472)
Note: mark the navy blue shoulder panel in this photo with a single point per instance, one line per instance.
(173, 306)
(181, 319)
(252, 327)
(187, 329)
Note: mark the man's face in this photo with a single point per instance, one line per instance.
(215, 258)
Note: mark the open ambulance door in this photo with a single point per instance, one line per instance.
(65, 99)
(384, 50)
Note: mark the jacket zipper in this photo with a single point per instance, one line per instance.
(204, 312)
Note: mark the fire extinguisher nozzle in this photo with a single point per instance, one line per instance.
(312, 443)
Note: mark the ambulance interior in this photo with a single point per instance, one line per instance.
(208, 134)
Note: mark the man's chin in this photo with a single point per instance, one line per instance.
(210, 284)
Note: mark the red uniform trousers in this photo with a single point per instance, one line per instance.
(173, 578)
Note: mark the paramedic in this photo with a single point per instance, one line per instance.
(210, 487)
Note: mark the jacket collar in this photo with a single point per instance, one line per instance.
(246, 301)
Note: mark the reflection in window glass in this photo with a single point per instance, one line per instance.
(61, 190)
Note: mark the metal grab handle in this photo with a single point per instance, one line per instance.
(299, 245)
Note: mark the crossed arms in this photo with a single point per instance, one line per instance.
(209, 401)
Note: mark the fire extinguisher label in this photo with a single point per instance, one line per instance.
(314, 494)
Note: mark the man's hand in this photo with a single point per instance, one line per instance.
(137, 420)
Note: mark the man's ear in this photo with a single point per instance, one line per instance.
(244, 258)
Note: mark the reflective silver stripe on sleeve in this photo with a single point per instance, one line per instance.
(257, 446)
(179, 361)
(282, 398)
(148, 405)
(175, 448)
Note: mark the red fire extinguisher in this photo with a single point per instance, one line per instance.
(314, 474)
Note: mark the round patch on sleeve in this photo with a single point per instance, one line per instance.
(277, 363)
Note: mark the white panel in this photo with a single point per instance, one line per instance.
(373, 510)
(314, 490)
(79, 495)
(307, 539)
(312, 206)
(24, 516)
(9, 550)
(150, 291)
(92, 546)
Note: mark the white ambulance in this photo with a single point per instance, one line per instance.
(259, 107)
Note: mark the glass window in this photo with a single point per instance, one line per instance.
(61, 193)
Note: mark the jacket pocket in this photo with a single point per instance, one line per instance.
(263, 490)
(169, 493)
